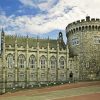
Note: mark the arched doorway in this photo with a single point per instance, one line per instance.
(71, 76)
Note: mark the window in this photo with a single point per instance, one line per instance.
(97, 39)
(62, 62)
(62, 76)
(10, 75)
(53, 75)
(42, 75)
(33, 75)
(43, 62)
(75, 41)
(21, 61)
(32, 62)
(10, 85)
(53, 62)
(22, 75)
(10, 61)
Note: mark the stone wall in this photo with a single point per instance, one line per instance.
(84, 42)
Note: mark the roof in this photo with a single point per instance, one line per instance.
(32, 42)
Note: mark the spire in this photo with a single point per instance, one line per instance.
(15, 38)
(27, 36)
(48, 39)
(60, 36)
(37, 38)
(2, 32)
(27, 41)
(87, 18)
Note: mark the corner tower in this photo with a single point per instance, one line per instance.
(84, 42)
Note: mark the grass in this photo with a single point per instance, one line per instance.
(57, 94)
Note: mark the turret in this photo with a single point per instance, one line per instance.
(83, 25)
(2, 39)
(61, 41)
(2, 32)
(60, 36)
(83, 38)
(87, 18)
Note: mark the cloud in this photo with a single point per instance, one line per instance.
(58, 17)
(41, 4)
(28, 3)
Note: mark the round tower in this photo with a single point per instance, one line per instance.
(83, 38)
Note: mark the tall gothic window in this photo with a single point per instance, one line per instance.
(10, 61)
(53, 62)
(21, 61)
(32, 61)
(62, 62)
(43, 62)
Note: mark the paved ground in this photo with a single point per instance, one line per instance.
(74, 91)
(95, 96)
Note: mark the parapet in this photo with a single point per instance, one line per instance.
(84, 24)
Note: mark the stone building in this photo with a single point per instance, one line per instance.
(84, 43)
(27, 61)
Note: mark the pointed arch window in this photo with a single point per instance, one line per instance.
(62, 62)
(21, 61)
(43, 62)
(32, 61)
(53, 62)
(10, 61)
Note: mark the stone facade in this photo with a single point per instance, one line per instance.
(84, 42)
(26, 61)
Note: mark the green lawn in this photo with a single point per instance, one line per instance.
(57, 94)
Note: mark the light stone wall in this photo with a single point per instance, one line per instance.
(87, 50)
(0, 75)
(15, 80)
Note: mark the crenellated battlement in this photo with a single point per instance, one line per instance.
(88, 24)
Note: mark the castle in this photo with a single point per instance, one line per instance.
(84, 43)
(26, 61)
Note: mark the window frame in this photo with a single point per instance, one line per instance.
(32, 62)
(21, 61)
(54, 64)
(62, 62)
(43, 62)
(10, 61)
